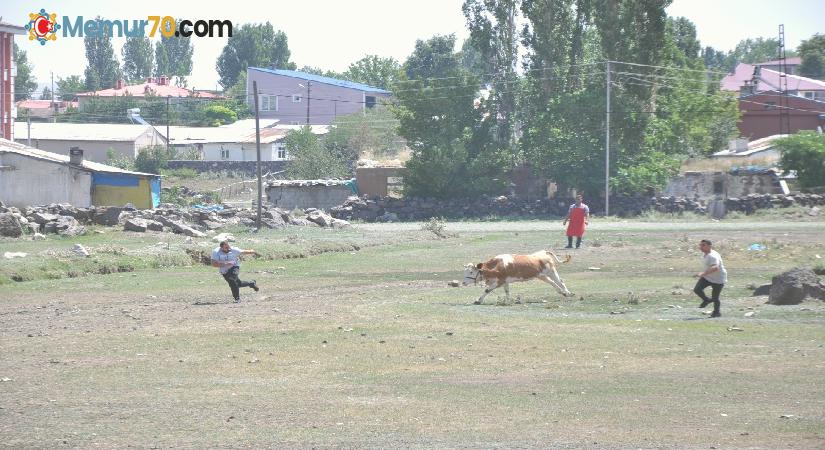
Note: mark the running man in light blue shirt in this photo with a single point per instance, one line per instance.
(227, 260)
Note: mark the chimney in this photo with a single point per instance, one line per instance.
(150, 80)
(119, 84)
(76, 156)
(163, 80)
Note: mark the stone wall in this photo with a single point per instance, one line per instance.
(707, 185)
(248, 168)
(321, 194)
(394, 209)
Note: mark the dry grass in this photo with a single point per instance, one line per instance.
(723, 165)
(370, 349)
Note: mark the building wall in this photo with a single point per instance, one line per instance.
(711, 185)
(120, 189)
(326, 101)
(6, 86)
(30, 182)
(760, 119)
(378, 181)
(92, 150)
(239, 152)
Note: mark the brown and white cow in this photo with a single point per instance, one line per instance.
(505, 269)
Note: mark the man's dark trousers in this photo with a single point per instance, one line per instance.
(235, 283)
(716, 289)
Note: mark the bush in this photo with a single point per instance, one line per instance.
(804, 152)
(153, 159)
(184, 172)
(216, 115)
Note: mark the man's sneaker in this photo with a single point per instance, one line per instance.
(255, 286)
(237, 300)
(569, 246)
(715, 314)
(704, 303)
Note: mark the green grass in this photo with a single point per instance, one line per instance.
(368, 347)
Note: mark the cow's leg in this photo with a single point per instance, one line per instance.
(507, 292)
(487, 290)
(548, 280)
(559, 283)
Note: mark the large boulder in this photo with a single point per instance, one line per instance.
(321, 218)
(141, 225)
(793, 286)
(108, 216)
(68, 226)
(43, 217)
(10, 226)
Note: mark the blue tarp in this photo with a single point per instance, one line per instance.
(155, 185)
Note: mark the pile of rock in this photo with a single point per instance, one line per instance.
(68, 220)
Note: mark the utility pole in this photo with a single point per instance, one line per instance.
(308, 84)
(167, 125)
(54, 105)
(607, 149)
(258, 151)
(29, 127)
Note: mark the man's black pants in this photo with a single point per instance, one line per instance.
(716, 289)
(235, 283)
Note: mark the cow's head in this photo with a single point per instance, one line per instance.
(472, 273)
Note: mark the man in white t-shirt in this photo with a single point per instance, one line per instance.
(714, 276)
(227, 260)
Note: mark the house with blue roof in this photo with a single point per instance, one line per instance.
(298, 98)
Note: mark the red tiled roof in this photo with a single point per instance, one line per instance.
(141, 90)
(791, 61)
(768, 80)
(44, 104)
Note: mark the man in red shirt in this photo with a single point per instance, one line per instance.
(579, 216)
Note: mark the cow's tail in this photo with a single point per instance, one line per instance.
(567, 258)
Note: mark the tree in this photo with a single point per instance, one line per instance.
(152, 159)
(253, 45)
(321, 72)
(755, 50)
(46, 94)
(374, 71)
(804, 152)
(173, 57)
(69, 87)
(494, 33)
(138, 59)
(310, 159)
(102, 69)
(449, 137)
(715, 60)
(812, 51)
(24, 82)
(371, 133)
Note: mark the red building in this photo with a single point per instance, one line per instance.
(761, 114)
(7, 73)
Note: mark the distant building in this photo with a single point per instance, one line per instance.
(761, 114)
(751, 79)
(236, 142)
(154, 86)
(43, 109)
(33, 177)
(296, 98)
(761, 152)
(7, 74)
(96, 139)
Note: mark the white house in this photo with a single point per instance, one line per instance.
(236, 142)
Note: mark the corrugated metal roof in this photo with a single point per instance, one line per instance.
(7, 146)
(80, 131)
(768, 80)
(321, 79)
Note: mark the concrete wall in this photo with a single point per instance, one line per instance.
(703, 185)
(326, 101)
(320, 196)
(378, 181)
(26, 181)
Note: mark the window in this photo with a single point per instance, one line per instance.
(369, 101)
(810, 94)
(280, 151)
(268, 102)
(296, 99)
(770, 105)
(224, 153)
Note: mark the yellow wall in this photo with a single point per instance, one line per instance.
(140, 195)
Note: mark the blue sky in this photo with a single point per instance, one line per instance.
(331, 34)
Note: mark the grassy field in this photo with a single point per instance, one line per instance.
(355, 340)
